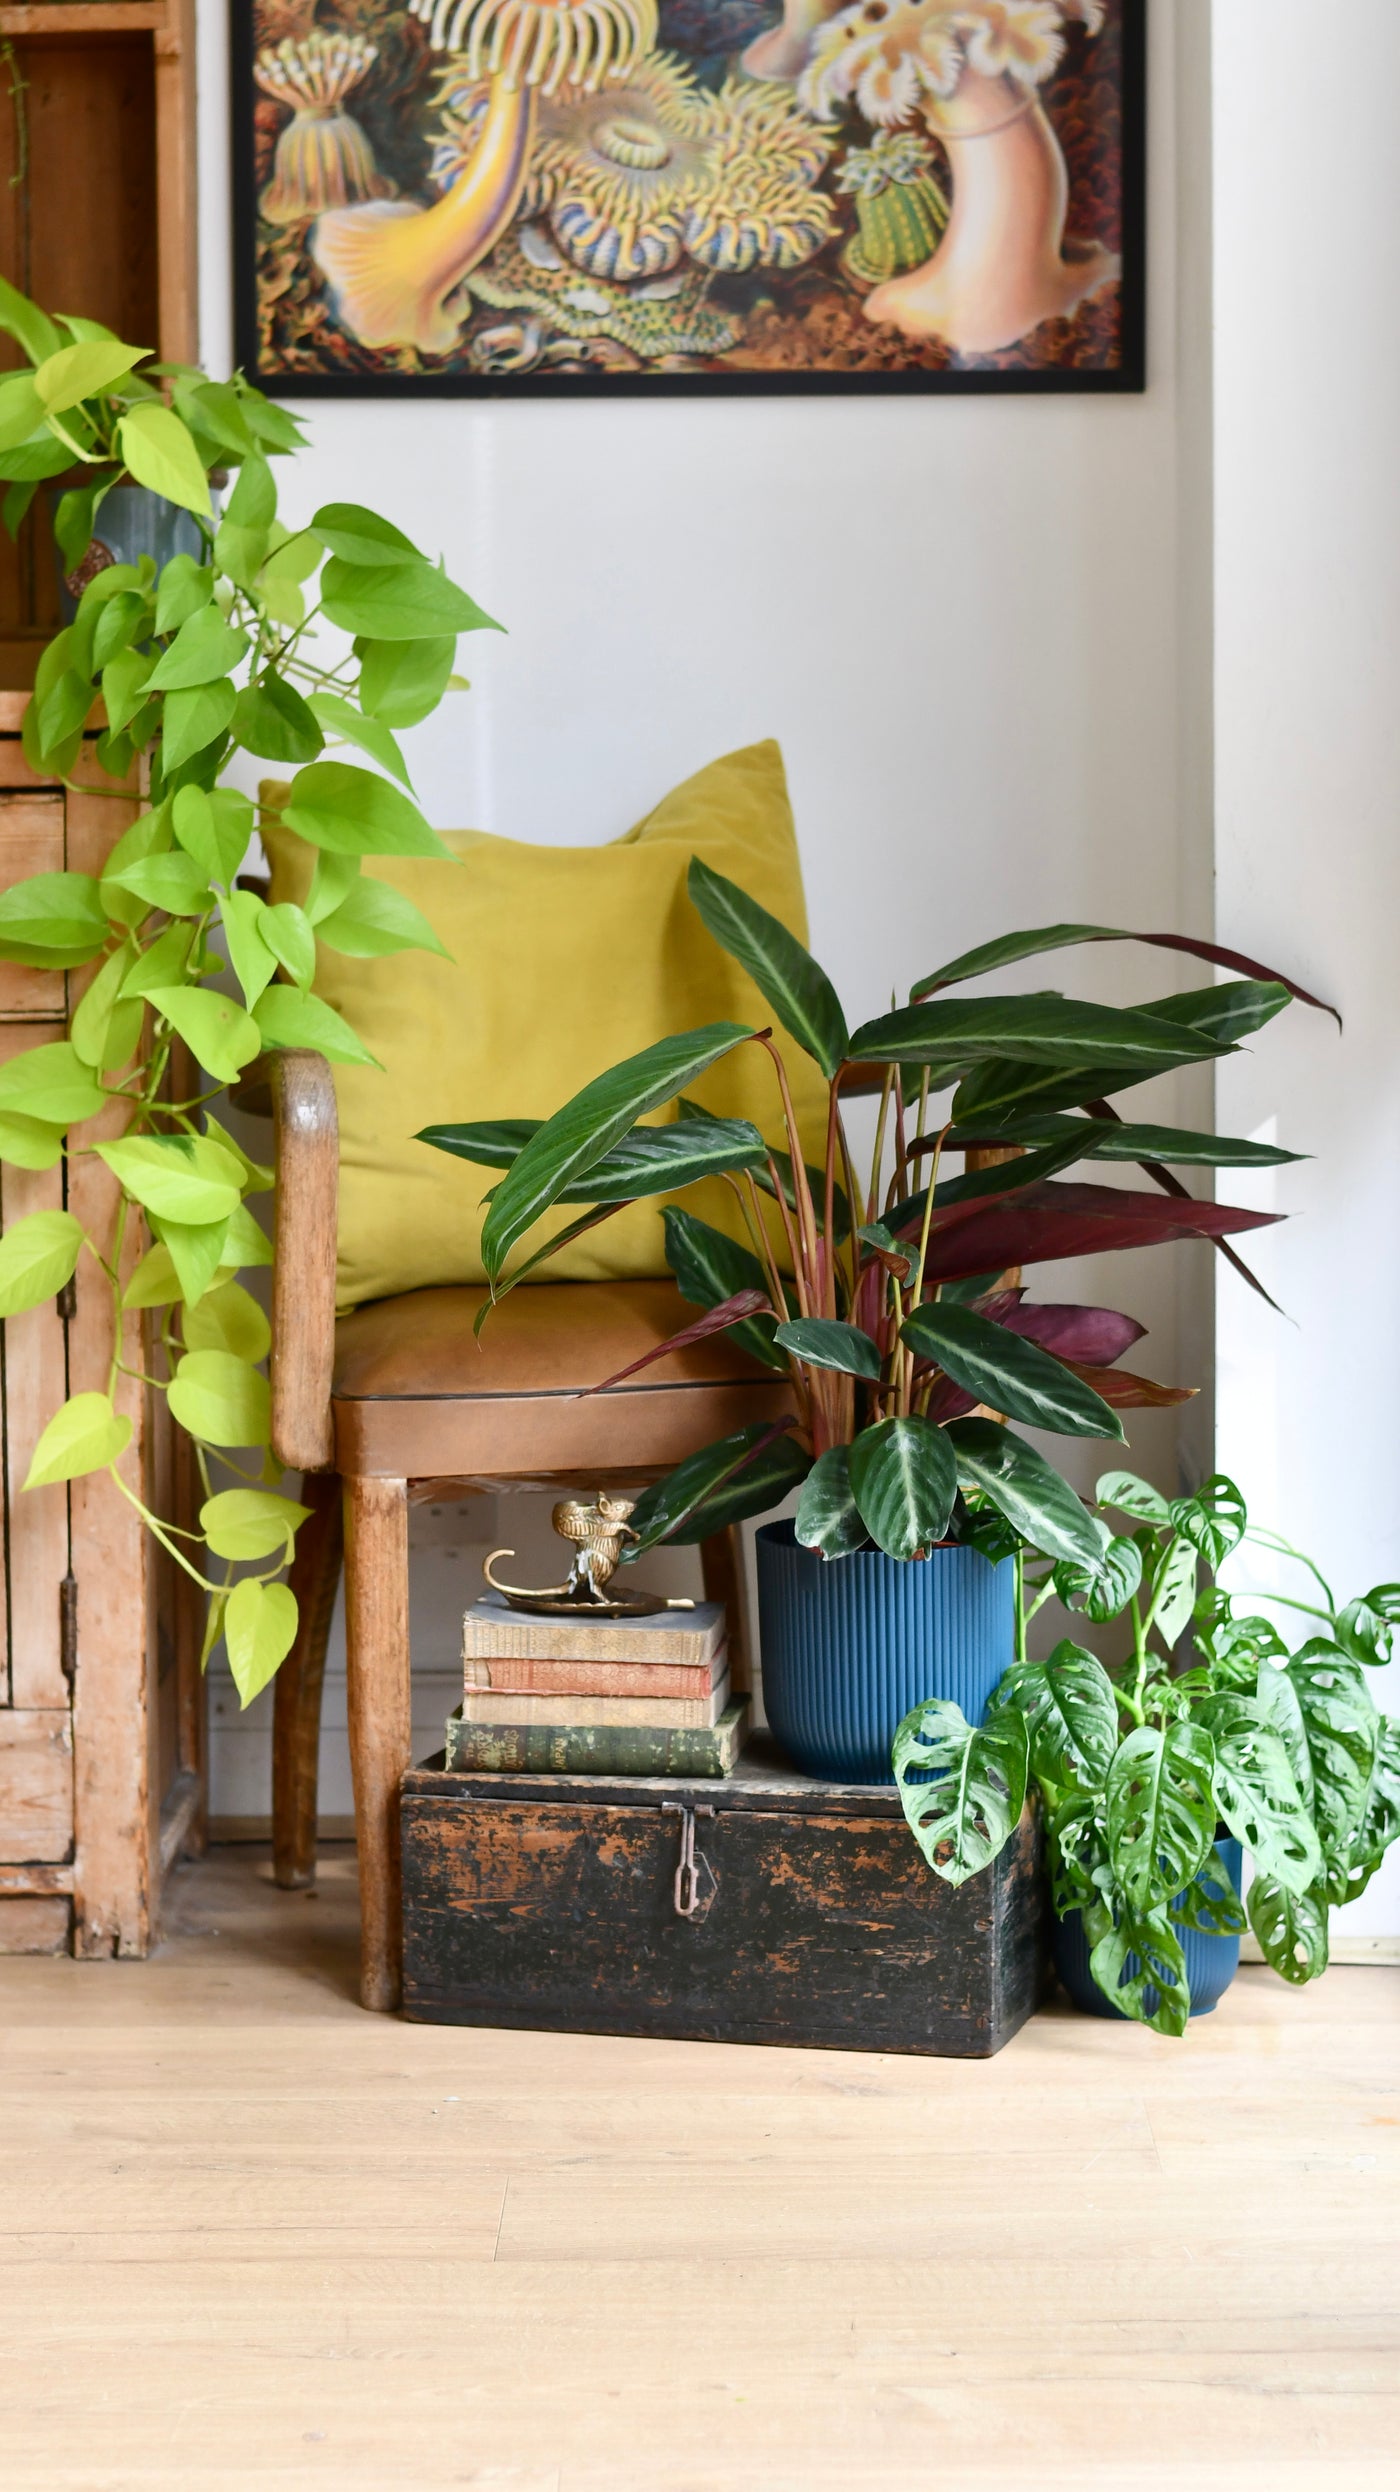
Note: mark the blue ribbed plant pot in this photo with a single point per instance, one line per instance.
(850, 1645)
(1211, 1963)
(133, 521)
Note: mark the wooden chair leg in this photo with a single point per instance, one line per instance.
(376, 1621)
(722, 1570)
(296, 1718)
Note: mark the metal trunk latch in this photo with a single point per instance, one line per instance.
(696, 1883)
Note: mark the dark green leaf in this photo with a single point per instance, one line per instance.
(1224, 1014)
(821, 1342)
(904, 1479)
(1009, 1373)
(1326, 1715)
(1292, 1930)
(1161, 1812)
(962, 1790)
(1130, 1495)
(1140, 1966)
(828, 1517)
(1049, 1030)
(652, 1159)
(1034, 1498)
(1104, 1594)
(661, 1512)
(1363, 1628)
(571, 1142)
(1100, 1139)
(1257, 1792)
(787, 977)
(1210, 1904)
(1071, 1711)
(1007, 949)
(1212, 1518)
(756, 1489)
(710, 1268)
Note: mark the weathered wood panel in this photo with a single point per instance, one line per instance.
(36, 1786)
(812, 1924)
(35, 1372)
(34, 1925)
(31, 842)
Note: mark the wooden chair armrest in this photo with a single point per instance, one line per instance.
(303, 1275)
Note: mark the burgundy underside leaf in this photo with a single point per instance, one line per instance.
(1052, 1221)
(1123, 1391)
(744, 1302)
(1096, 1334)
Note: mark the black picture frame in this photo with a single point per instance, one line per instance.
(1127, 376)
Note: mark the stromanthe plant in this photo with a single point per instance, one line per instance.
(884, 1296)
(1208, 1718)
(210, 656)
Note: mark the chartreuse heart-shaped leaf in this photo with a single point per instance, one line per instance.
(220, 1399)
(288, 1019)
(196, 1249)
(400, 601)
(1040, 1505)
(904, 1479)
(373, 920)
(87, 1434)
(828, 1517)
(160, 453)
(1071, 1712)
(52, 921)
(220, 1035)
(571, 1142)
(250, 1523)
(402, 681)
(1292, 1930)
(1008, 1372)
(1257, 1792)
(229, 1318)
(52, 1083)
(38, 1257)
(354, 813)
(662, 1512)
(962, 1790)
(182, 1176)
(821, 1342)
(787, 977)
(711, 1268)
(260, 1625)
(1161, 1812)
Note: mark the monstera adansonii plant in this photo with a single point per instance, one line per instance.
(886, 1297)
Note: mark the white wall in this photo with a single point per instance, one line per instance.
(980, 627)
(1307, 613)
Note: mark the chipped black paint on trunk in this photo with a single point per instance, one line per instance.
(554, 1902)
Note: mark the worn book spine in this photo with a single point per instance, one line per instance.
(513, 1748)
(681, 1713)
(682, 1638)
(595, 1678)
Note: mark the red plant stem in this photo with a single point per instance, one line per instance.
(790, 1234)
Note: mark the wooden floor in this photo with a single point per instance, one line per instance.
(254, 2236)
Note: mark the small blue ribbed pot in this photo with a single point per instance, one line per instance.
(850, 1645)
(133, 521)
(1211, 1963)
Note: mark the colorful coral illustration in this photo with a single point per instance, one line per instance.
(517, 191)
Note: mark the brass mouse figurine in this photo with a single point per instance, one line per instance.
(597, 1526)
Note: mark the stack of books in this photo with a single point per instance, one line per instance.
(588, 1695)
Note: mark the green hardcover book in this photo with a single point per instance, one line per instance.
(536, 1748)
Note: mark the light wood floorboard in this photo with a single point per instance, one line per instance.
(251, 2235)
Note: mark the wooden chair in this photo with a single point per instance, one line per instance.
(398, 1402)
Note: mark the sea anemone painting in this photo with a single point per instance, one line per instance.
(667, 194)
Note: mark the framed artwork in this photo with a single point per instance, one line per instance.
(500, 196)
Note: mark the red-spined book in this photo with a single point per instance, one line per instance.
(509, 1675)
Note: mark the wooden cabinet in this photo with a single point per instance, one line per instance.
(101, 1737)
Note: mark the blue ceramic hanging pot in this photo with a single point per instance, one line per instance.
(1211, 1963)
(850, 1645)
(131, 522)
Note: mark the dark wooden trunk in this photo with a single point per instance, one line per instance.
(566, 1903)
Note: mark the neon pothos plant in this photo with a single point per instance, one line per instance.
(887, 1309)
(1207, 1718)
(212, 655)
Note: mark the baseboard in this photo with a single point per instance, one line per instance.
(1344, 1950)
(259, 1829)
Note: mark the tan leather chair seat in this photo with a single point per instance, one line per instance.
(417, 1395)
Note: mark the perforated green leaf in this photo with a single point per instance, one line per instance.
(962, 1789)
(1161, 1812)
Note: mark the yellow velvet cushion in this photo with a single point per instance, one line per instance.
(564, 961)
